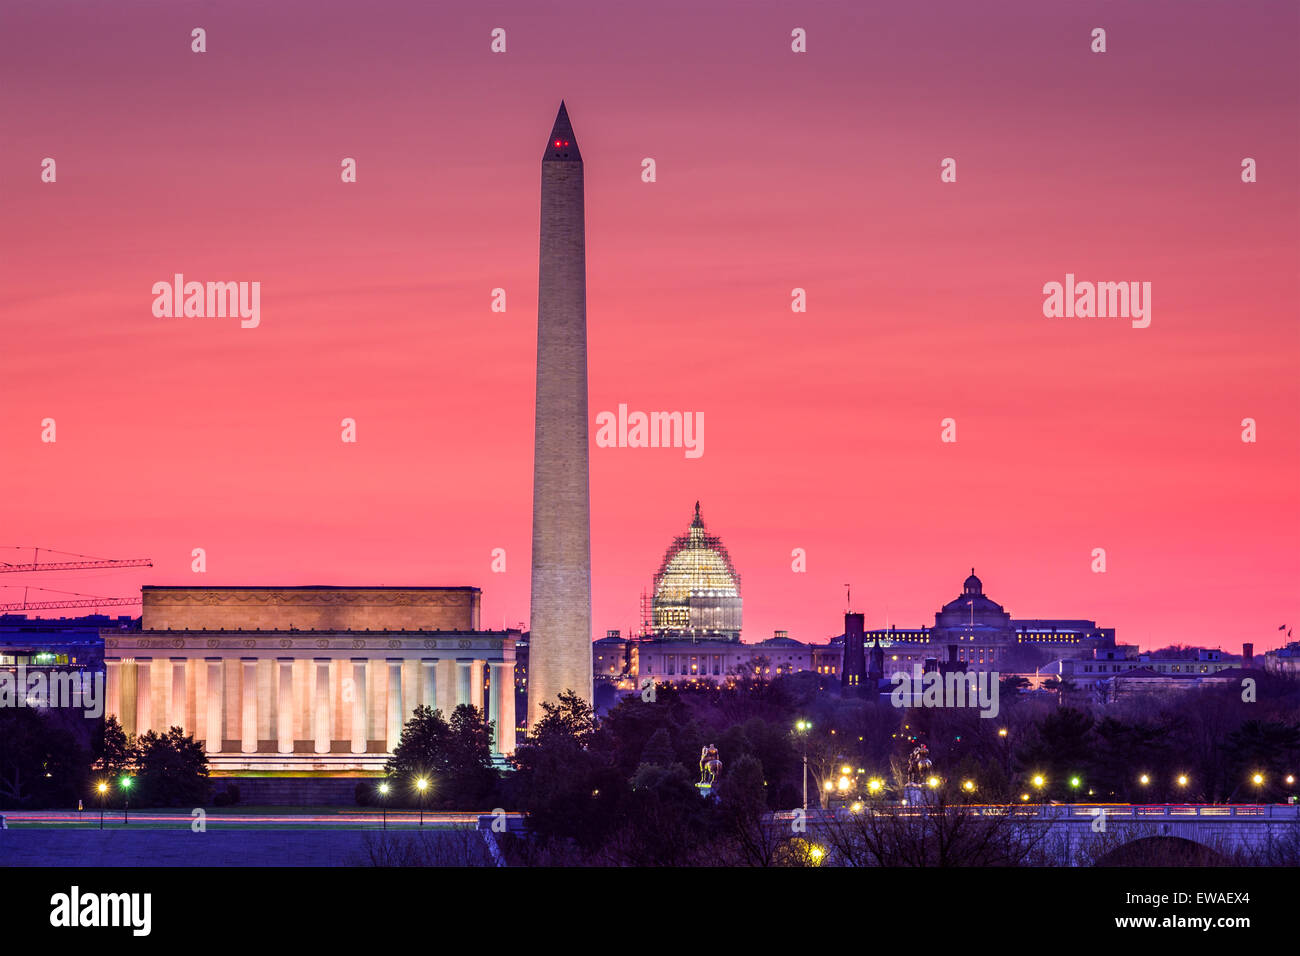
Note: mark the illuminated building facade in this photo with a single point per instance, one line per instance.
(306, 678)
(979, 633)
(697, 589)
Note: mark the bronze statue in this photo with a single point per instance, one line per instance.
(710, 765)
(918, 765)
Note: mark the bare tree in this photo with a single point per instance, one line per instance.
(945, 831)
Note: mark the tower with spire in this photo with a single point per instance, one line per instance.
(560, 616)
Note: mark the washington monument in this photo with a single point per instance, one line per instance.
(559, 654)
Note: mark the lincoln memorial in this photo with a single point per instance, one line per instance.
(306, 678)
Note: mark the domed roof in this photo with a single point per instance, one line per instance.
(696, 563)
(970, 604)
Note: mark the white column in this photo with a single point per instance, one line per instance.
(284, 705)
(360, 714)
(464, 676)
(502, 704)
(176, 712)
(446, 687)
(410, 689)
(321, 706)
(429, 684)
(143, 695)
(215, 728)
(113, 689)
(248, 705)
(476, 683)
(394, 704)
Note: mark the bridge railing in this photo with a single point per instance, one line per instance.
(1253, 811)
(1067, 811)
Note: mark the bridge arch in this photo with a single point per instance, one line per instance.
(1161, 850)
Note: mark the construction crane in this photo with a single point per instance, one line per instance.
(70, 598)
(73, 600)
(84, 561)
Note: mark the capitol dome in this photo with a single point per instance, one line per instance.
(697, 589)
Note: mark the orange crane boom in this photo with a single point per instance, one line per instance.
(80, 602)
(62, 563)
(85, 561)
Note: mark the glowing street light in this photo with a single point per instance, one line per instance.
(383, 801)
(1257, 779)
(1002, 731)
(802, 727)
(1144, 780)
(102, 787)
(875, 785)
(126, 783)
(843, 784)
(1039, 782)
(932, 782)
(422, 784)
(1182, 780)
(968, 786)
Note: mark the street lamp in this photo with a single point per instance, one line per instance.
(968, 786)
(803, 726)
(383, 801)
(1182, 780)
(422, 785)
(1074, 783)
(126, 783)
(103, 800)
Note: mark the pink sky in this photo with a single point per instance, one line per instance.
(775, 170)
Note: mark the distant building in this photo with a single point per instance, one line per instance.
(64, 642)
(68, 644)
(1119, 673)
(1284, 660)
(974, 631)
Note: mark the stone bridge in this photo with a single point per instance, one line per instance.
(1083, 834)
(1089, 834)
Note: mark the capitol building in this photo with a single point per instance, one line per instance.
(697, 589)
(692, 632)
(694, 625)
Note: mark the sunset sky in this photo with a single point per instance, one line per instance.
(775, 170)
